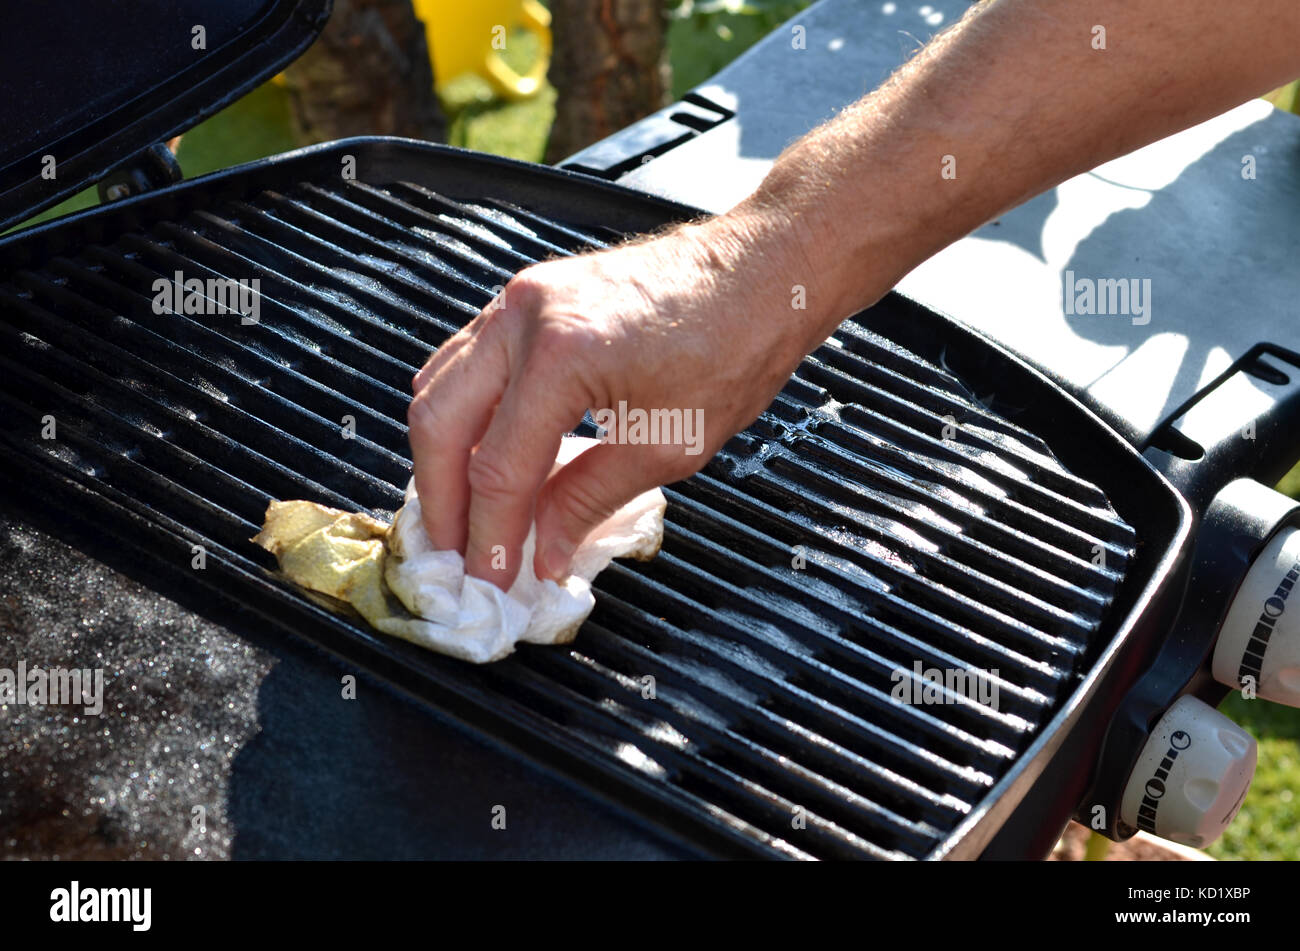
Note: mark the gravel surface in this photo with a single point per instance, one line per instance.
(128, 782)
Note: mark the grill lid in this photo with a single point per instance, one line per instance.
(103, 83)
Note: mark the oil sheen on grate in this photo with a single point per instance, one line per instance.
(876, 521)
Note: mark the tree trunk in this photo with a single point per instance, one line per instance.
(368, 74)
(608, 67)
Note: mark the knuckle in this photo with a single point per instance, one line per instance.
(525, 289)
(553, 344)
(421, 412)
(552, 326)
(441, 357)
(580, 507)
(490, 477)
(422, 376)
(675, 465)
(668, 464)
(561, 337)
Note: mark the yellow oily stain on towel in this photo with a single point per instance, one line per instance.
(337, 553)
(422, 596)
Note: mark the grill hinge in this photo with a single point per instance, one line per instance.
(153, 168)
(654, 135)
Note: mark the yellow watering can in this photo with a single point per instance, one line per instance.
(467, 36)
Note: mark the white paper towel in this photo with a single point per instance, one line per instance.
(473, 619)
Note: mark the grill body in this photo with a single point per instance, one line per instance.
(914, 495)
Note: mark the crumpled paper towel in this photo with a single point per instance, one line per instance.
(402, 587)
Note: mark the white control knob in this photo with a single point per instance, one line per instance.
(1192, 775)
(1259, 645)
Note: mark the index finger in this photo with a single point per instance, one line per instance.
(446, 419)
(510, 465)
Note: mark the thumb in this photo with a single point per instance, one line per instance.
(588, 490)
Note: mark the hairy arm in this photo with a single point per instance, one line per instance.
(1012, 100)
(1021, 98)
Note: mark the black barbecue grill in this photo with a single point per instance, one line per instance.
(915, 498)
(773, 681)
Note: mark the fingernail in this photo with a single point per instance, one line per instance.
(556, 558)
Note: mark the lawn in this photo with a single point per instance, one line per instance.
(699, 45)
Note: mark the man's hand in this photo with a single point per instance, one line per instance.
(1015, 98)
(700, 319)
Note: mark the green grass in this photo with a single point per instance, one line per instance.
(706, 40)
(698, 46)
(1287, 98)
(1268, 826)
(477, 120)
(256, 126)
(251, 128)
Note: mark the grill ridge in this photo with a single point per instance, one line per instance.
(772, 697)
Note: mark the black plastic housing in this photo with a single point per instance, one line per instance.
(92, 84)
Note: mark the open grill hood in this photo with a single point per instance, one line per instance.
(94, 84)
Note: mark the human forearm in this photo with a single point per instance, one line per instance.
(1009, 102)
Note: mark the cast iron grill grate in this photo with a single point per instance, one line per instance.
(926, 528)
